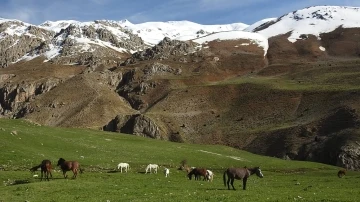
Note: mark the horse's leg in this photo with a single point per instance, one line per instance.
(41, 175)
(64, 173)
(47, 175)
(244, 183)
(75, 173)
(228, 183)
(232, 183)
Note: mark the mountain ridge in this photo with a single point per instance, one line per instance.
(293, 95)
(116, 35)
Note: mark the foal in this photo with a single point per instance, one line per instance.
(209, 175)
(166, 172)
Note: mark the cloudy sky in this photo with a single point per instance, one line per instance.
(138, 11)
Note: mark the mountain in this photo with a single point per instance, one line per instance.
(312, 20)
(285, 87)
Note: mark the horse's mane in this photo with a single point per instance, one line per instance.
(60, 161)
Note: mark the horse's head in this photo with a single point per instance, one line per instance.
(190, 174)
(258, 172)
(60, 161)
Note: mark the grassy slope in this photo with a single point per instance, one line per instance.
(283, 181)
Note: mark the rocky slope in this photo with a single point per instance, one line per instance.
(290, 88)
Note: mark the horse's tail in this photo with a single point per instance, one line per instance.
(224, 178)
(33, 169)
(81, 170)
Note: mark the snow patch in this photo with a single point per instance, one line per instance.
(256, 38)
(314, 20)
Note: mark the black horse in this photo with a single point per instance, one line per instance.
(240, 173)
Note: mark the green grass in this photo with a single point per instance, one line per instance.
(102, 151)
(323, 78)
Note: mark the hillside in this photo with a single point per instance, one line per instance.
(26, 144)
(286, 87)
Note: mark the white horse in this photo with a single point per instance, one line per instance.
(209, 175)
(126, 166)
(166, 172)
(151, 166)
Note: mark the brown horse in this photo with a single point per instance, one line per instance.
(45, 169)
(65, 166)
(341, 173)
(240, 173)
(197, 172)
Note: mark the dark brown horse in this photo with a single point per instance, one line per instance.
(65, 166)
(45, 169)
(240, 173)
(197, 172)
(341, 173)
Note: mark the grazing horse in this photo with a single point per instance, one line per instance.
(166, 172)
(65, 166)
(45, 169)
(341, 173)
(197, 172)
(240, 173)
(209, 175)
(126, 166)
(151, 166)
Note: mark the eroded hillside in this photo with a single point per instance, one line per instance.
(293, 100)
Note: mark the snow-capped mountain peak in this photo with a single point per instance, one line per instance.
(313, 20)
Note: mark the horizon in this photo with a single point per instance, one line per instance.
(198, 11)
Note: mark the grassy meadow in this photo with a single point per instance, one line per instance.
(24, 145)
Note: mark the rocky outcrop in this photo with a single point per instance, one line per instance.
(163, 50)
(14, 97)
(160, 69)
(16, 47)
(25, 40)
(75, 52)
(138, 82)
(349, 156)
(137, 124)
(84, 44)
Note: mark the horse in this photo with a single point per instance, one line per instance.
(166, 172)
(45, 169)
(209, 175)
(151, 166)
(65, 166)
(197, 172)
(240, 173)
(341, 173)
(126, 166)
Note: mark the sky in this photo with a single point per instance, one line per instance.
(139, 11)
